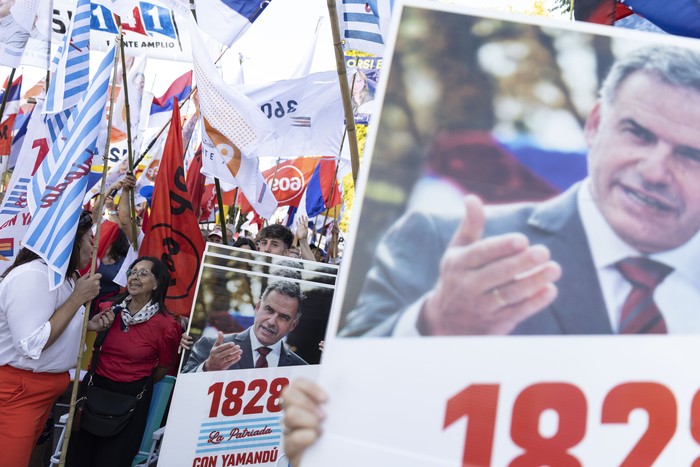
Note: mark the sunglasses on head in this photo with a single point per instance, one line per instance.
(85, 220)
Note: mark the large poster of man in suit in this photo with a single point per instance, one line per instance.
(527, 180)
(235, 289)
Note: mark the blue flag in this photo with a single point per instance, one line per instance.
(56, 192)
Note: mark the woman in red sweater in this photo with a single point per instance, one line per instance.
(138, 350)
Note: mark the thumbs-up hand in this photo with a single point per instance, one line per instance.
(487, 285)
(222, 355)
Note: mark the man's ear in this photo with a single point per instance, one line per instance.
(294, 325)
(590, 130)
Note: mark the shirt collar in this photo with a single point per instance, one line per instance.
(255, 343)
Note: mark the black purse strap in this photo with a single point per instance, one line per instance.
(97, 348)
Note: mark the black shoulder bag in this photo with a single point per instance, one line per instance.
(105, 413)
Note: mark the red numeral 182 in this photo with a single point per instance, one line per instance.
(479, 402)
(232, 396)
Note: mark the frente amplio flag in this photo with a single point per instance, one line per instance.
(173, 233)
(233, 128)
(364, 24)
(227, 20)
(288, 181)
(57, 189)
(306, 113)
(71, 65)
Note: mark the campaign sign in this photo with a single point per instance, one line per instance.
(227, 412)
(522, 286)
(227, 418)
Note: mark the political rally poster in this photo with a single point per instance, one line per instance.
(522, 285)
(231, 415)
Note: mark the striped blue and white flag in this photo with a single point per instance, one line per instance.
(59, 185)
(364, 24)
(71, 65)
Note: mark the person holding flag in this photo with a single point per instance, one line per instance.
(40, 331)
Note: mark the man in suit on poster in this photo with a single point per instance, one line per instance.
(581, 262)
(276, 315)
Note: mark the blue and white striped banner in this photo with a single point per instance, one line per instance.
(59, 185)
(55, 123)
(71, 65)
(364, 24)
(239, 434)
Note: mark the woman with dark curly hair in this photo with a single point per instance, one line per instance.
(40, 333)
(138, 350)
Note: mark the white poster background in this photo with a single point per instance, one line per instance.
(190, 437)
(388, 396)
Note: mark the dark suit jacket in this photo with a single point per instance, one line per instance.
(407, 261)
(200, 352)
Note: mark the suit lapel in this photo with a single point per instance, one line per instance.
(285, 358)
(579, 307)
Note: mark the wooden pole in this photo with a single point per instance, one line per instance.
(93, 266)
(344, 90)
(129, 150)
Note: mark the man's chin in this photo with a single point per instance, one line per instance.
(650, 241)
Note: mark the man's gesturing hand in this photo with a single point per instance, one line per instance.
(488, 286)
(222, 356)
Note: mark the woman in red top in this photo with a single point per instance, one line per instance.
(138, 350)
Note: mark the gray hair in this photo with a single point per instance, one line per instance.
(287, 288)
(676, 66)
(287, 268)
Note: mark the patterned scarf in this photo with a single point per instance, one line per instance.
(141, 316)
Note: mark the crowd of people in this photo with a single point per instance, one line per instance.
(139, 338)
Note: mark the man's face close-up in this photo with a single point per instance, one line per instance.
(274, 246)
(644, 162)
(275, 317)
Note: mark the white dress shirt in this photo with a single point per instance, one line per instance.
(677, 297)
(26, 305)
(273, 358)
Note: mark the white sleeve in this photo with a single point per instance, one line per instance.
(131, 256)
(406, 326)
(30, 304)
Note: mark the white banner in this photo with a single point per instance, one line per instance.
(152, 30)
(229, 417)
(521, 286)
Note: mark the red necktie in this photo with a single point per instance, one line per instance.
(640, 315)
(261, 362)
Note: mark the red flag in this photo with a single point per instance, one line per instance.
(290, 179)
(208, 203)
(173, 234)
(195, 180)
(6, 135)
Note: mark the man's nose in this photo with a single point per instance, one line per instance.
(655, 166)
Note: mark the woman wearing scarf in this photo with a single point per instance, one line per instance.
(137, 351)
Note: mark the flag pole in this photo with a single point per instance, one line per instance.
(93, 263)
(217, 184)
(3, 105)
(272, 183)
(330, 198)
(344, 90)
(6, 94)
(129, 149)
